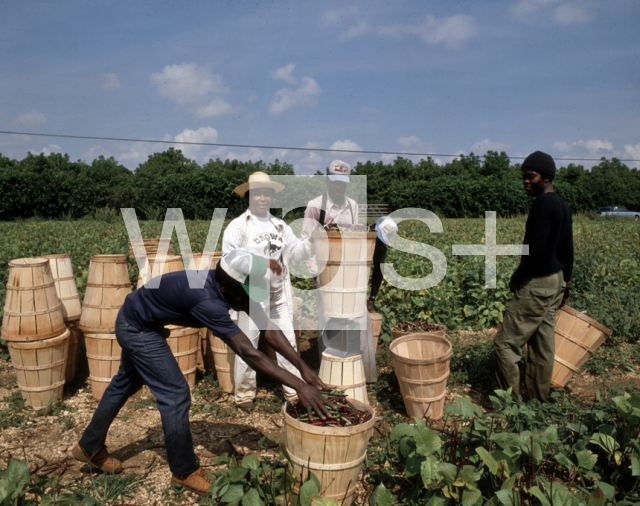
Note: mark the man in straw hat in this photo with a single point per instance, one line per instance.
(540, 285)
(334, 207)
(237, 283)
(265, 235)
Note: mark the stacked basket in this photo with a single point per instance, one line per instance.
(224, 358)
(65, 283)
(205, 360)
(184, 342)
(108, 285)
(34, 329)
(145, 252)
(347, 256)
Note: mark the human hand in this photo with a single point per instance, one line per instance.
(313, 401)
(275, 266)
(311, 378)
(512, 287)
(371, 306)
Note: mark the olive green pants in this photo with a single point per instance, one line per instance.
(529, 319)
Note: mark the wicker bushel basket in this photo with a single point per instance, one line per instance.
(347, 373)
(65, 282)
(172, 263)
(108, 285)
(184, 343)
(103, 354)
(577, 337)
(376, 329)
(40, 368)
(224, 358)
(421, 364)
(345, 278)
(32, 310)
(333, 454)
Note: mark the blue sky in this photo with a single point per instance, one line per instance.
(561, 76)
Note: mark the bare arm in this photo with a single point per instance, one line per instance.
(309, 395)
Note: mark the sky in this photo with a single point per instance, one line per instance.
(422, 77)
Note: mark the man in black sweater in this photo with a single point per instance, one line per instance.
(540, 285)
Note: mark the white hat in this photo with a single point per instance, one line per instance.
(249, 270)
(258, 180)
(339, 171)
(385, 229)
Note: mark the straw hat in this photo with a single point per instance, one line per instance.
(258, 180)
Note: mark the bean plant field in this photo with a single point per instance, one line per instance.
(487, 450)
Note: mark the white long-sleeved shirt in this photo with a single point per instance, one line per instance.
(255, 233)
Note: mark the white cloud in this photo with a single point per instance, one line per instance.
(110, 82)
(574, 11)
(633, 151)
(302, 96)
(135, 154)
(192, 87)
(452, 31)
(203, 134)
(285, 74)
(356, 29)
(29, 119)
(481, 147)
(346, 144)
(410, 142)
(48, 149)
(348, 20)
(573, 152)
(94, 152)
(590, 147)
(337, 16)
(570, 13)
(216, 107)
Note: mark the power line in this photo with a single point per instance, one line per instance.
(329, 150)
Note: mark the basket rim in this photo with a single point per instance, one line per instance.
(118, 258)
(32, 262)
(43, 343)
(581, 316)
(289, 421)
(421, 336)
(332, 234)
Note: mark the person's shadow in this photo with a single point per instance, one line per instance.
(217, 438)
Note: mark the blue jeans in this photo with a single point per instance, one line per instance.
(147, 358)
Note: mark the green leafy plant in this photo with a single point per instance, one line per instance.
(255, 482)
(519, 454)
(19, 488)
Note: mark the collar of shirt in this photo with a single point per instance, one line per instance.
(250, 216)
(331, 204)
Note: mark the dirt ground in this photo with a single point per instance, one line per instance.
(136, 434)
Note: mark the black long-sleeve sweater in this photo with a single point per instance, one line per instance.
(549, 234)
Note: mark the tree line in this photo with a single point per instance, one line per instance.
(54, 187)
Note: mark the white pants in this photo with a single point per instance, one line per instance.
(244, 376)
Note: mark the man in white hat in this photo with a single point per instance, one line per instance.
(334, 207)
(237, 283)
(265, 235)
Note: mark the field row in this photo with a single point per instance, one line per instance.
(605, 285)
